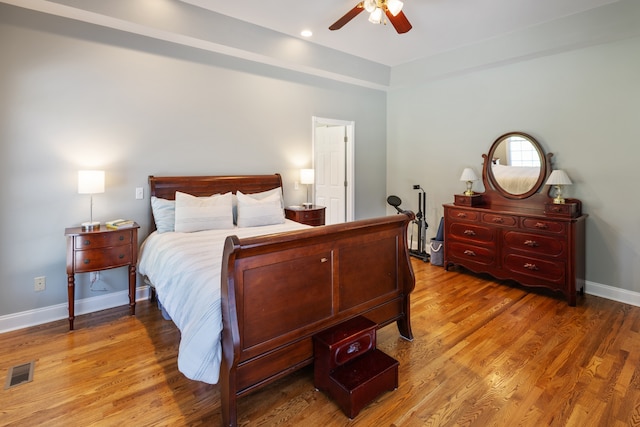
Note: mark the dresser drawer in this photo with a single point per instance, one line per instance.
(103, 240)
(497, 219)
(461, 214)
(466, 252)
(535, 243)
(543, 225)
(96, 259)
(536, 269)
(473, 232)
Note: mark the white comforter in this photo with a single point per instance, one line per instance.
(185, 270)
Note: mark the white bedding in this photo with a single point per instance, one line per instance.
(516, 179)
(185, 270)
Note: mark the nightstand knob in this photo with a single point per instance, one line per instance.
(121, 237)
(87, 261)
(87, 242)
(121, 256)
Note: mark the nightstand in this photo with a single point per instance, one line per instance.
(313, 215)
(101, 249)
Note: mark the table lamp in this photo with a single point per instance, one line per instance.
(90, 182)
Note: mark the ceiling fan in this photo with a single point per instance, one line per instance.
(377, 9)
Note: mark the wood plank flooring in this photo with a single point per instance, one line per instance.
(485, 353)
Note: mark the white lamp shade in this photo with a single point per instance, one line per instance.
(558, 177)
(376, 16)
(370, 5)
(90, 182)
(306, 176)
(468, 175)
(394, 6)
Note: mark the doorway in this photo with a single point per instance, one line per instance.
(333, 162)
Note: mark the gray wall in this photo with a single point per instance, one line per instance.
(583, 105)
(78, 96)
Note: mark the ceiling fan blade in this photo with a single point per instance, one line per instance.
(399, 22)
(347, 17)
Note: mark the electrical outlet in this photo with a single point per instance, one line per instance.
(39, 283)
(139, 193)
(296, 185)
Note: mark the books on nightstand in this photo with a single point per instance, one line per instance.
(117, 224)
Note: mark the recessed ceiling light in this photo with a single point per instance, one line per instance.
(306, 33)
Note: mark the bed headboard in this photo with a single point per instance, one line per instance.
(165, 187)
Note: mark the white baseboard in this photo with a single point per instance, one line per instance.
(615, 294)
(39, 316)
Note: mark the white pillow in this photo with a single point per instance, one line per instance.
(253, 212)
(203, 213)
(164, 214)
(258, 196)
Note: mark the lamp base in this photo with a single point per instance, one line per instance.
(307, 205)
(91, 226)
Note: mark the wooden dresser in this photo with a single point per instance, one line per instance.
(525, 245)
(524, 237)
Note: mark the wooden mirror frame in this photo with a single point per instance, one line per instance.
(495, 194)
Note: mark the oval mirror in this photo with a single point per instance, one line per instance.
(518, 165)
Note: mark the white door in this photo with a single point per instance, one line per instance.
(333, 164)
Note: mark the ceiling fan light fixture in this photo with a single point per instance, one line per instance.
(394, 6)
(370, 5)
(376, 16)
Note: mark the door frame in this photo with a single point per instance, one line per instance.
(349, 158)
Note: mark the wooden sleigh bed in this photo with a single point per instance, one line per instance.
(279, 290)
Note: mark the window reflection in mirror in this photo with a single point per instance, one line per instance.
(516, 164)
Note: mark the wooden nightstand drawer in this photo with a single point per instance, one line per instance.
(101, 249)
(310, 216)
(103, 240)
(99, 259)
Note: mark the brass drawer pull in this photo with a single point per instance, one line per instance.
(530, 266)
(469, 232)
(531, 243)
(469, 252)
(498, 220)
(353, 348)
(541, 225)
(462, 215)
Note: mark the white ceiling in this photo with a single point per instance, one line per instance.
(438, 25)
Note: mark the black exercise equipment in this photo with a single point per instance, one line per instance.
(420, 222)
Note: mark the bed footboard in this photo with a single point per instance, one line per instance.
(279, 290)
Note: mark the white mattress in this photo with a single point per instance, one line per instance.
(185, 270)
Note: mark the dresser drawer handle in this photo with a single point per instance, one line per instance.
(121, 238)
(469, 252)
(121, 256)
(462, 215)
(86, 261)
(531, 243)
(469, 232)
(530, 266)
(541, 225)
(353, 348)
(86, 242)
(556, 209)
(498, 220)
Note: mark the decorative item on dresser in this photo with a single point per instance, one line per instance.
(101, 249)
(312, 215)
(514, 230)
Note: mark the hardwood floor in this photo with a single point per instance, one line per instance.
(484, 353)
